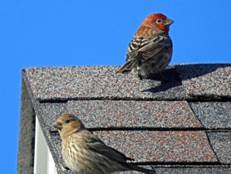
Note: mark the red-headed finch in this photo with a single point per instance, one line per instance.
(84, 153)
(150, 50)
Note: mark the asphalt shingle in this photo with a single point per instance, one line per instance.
(186, 171)
(161, 146)
(80, 83)
(181, 125)
(193, 170)
(49, 112)
(206, 81)
(221, 143)
(213, 115)
(136, 114)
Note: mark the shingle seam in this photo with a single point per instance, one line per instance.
(195, 115)
(180, 163)
(208, 98)
(61, 100)
(193, 166)
(158, 129)
(214, 130)
(206, 132)
(211, 146)
(195, 99)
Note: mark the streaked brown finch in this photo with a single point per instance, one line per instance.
(84, 153)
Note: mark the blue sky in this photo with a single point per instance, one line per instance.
(95, 32)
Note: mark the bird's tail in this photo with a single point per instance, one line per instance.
(141, 169)
(127, 67)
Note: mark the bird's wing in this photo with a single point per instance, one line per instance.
(155, 47)
(96, 145)
(133, 54)
(141, 50)
(134, 46)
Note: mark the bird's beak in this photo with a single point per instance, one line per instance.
(54, 129)
(57, 126)
(168, 22)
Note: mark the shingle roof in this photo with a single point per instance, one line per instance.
(180, 126)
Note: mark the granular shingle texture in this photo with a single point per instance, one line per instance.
(78, 83)
(213, 115)
(194, 170)
(209, 80)
(221, 143)
(161, 146)
(141, 114)
(181, 125)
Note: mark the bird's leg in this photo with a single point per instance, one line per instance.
(138, 69)
(140, 76)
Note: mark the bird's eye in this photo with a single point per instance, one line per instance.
(67, 121)
(159, 21)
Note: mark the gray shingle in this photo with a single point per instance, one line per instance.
(49, 112)
(193, 171)
(161, 146)
(139, 118)
(119, 113)
(82, 82)
(186, 170)
(213, 115)
(206, 81)
(221, 143)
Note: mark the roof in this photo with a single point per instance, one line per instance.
(179, 126)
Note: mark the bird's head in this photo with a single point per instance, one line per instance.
(67, 124)
(158, 22)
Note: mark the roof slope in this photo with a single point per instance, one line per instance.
(181, 125)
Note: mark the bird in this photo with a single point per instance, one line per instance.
(150, 50)
(84, 153)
